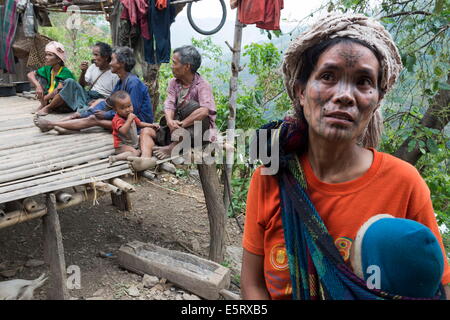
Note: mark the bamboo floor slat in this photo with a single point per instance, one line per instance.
(32, 162)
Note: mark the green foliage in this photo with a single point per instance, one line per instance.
(79, 44)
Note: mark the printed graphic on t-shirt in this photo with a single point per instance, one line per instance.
(278, 257)
(344, 245)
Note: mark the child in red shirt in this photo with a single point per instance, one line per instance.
(130, 142)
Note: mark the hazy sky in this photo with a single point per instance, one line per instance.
(293, 9)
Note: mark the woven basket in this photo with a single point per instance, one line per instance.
(36, 59)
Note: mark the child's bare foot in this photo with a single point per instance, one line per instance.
(162, 152)
(141, 164)
(42, 124)
(64, 131)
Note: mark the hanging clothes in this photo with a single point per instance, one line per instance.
(157, 50)
(265, 14)
(161, 4)
(9, 21)
(135, 11)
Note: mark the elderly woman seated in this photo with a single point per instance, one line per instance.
(49, 79)
(98, 78)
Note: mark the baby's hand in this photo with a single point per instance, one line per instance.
(131, 116)
(155, 126)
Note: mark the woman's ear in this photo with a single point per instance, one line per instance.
(299, 91)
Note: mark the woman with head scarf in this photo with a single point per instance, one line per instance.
(50, 78)
(301, 223)
(96, 83)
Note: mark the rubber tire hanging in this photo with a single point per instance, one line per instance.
(205, 32)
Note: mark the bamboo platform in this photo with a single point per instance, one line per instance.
(33, 163)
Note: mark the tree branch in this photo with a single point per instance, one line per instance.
(408, 13)
(434, 37)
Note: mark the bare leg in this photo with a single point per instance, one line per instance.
(76, 124)
(57, 101)
(75, 115)
(123, 152)
(146, 139)
(43, 103)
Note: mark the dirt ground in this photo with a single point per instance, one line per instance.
(92, 235)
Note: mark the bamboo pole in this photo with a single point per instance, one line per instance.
(20, 194)
(30, 205)
(49, 159)
(122, 185)
(235, 69)
(19, 216)
(54, 143)
(15, 217)
(58, 172)
(72, 176)
(40, 139)
(106, 187)
(54, 159)
(55, 166)
(63, 197)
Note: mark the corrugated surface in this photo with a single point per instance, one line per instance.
(32, 162)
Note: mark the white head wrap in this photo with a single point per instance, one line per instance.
(354, 26)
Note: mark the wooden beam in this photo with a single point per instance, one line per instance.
(121, 201)
(122, 185)
(216, 211)
(200, 276)
(54, 252)
(231, 125)
(11, 218)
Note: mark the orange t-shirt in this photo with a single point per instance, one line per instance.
(390, 186)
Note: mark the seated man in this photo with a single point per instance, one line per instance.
(98, 77)
(122, 62)
(189, 99)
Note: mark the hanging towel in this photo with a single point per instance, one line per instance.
(264, 13)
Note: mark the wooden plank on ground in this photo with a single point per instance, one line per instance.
(203, 277)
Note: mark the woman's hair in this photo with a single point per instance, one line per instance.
(189, 55)
(372, 134)
(125, 55)
(105, 49)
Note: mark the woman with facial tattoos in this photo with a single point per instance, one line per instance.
(301, 223)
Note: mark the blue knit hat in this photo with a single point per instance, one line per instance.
(406, 254)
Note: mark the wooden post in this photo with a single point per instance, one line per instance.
(121, 201)
(151, 73)
(216, 211)
(114, 22)
(54, 252)
(235, 69)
